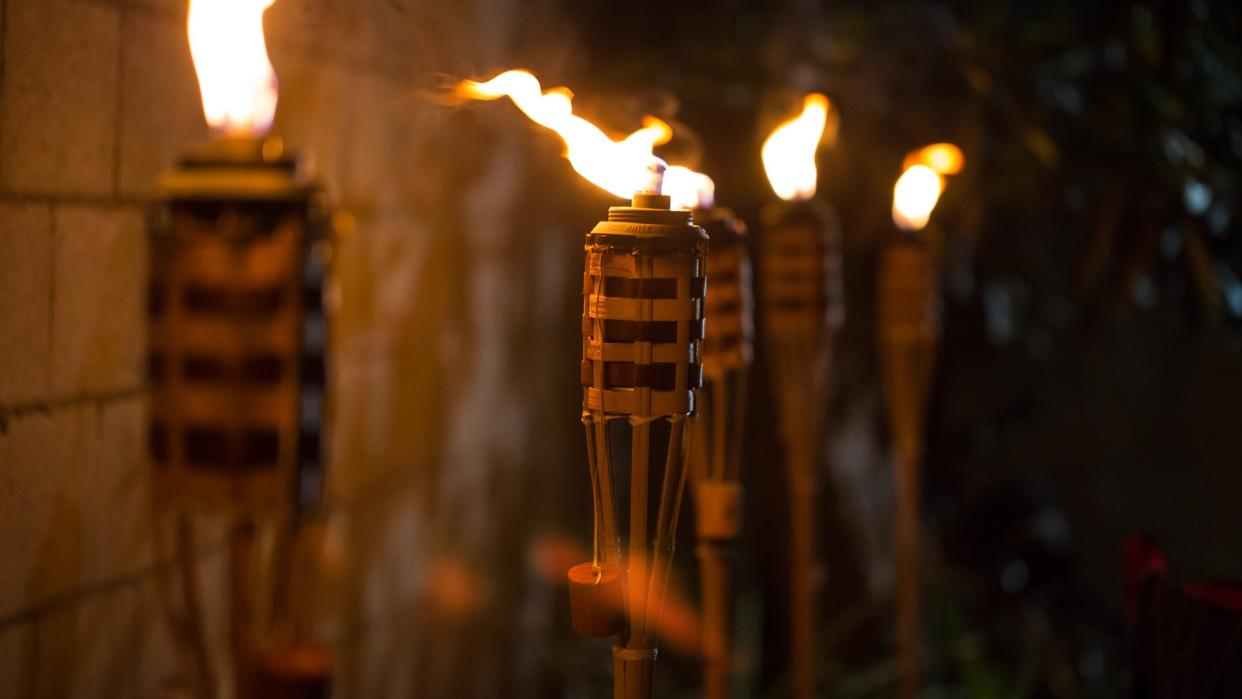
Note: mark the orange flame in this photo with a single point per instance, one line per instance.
(944, 158)
(689, 189)
(623, 167)
(918, 189)
(789, 153)
(235, 78)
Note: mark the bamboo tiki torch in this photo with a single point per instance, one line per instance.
(801, 293)
(716, 457)
(908, 332)
(642, 322)
(238, 345)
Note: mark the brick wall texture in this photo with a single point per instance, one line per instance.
(453, 444)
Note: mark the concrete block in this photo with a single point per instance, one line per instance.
(84, 649)
(25, 300)
(17, 660)
(58, 103)
(74, 501)
(44, 546)
(98, 312)
(161, 113)
(112, 492)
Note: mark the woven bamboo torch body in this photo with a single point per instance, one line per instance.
(642, 322)
(728, 351)
(909, 328)
(238, 340)
(237, 330)
(803, 308)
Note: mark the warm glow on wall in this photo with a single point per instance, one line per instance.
(235, 77)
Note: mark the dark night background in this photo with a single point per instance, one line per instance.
(1089, 378)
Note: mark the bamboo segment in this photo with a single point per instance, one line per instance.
(909, 328)
(642, 322)
(715, 559)
(803, 310)
(632, 672)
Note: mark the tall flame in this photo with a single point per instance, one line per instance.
(918, 189)
(623, 167)
(230, 56)
(789, 153)
(689, 189)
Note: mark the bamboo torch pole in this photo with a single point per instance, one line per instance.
(908, 333)
(803, 310)
(718, 490)
(909, 329)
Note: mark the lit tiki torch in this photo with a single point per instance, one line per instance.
(802, 310)
(715, 458)
(642, 321)
(909, 327)
(237, 328)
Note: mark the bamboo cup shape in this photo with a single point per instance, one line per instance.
(715, 464)
(642, 322)
(909, 329)
(801, 293)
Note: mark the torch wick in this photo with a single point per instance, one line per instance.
(655, 178)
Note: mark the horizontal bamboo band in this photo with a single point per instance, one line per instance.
(629, 352)
(641, 331)
(634, 653)
(644, 309)
(625, 401)
(611, 264)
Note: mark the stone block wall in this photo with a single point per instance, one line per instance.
(448, 426)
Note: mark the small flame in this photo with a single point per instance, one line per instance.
(789, 153)
(689, 189)
(230, 56)
(919, 187)
(915, 195)
(623, 167)
(944, 158)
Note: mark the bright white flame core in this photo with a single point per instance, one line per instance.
(622, 168)
(789, 153)
(236, 79)
(915, 195)
(689, 189)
